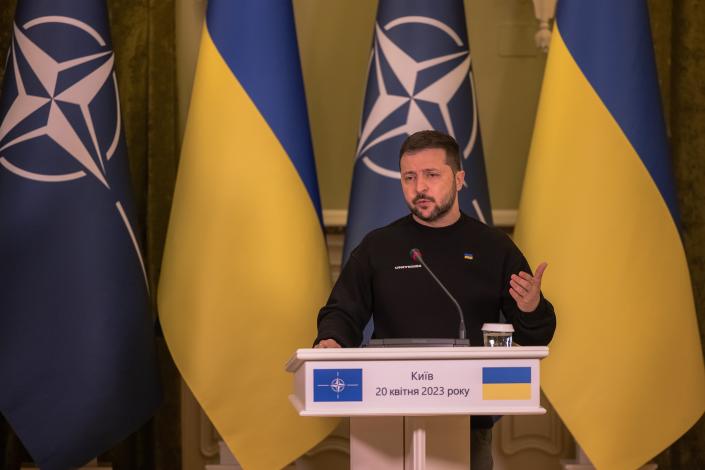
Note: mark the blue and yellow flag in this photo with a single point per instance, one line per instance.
(506, 383)
(420, 78)
(245, 266)
(626, 370)
(77, 360)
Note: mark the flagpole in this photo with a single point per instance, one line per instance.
(582, 462)
(227, 460)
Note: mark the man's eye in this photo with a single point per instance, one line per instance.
(408, 178)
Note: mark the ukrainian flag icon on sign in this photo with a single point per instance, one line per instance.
(337, 385)
(506, 383)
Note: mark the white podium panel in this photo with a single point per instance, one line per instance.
(416, 381)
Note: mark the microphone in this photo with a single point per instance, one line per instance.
(415, 255)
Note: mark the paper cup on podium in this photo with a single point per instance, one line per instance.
(497, 334)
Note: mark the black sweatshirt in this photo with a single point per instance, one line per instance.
(472, 260)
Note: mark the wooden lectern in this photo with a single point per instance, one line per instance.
(410, 408)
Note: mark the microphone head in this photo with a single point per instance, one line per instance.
(415, 255)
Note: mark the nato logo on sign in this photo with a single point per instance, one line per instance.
(337, 385)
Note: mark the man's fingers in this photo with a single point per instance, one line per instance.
(539, 270)
(523, 282)
(525, 289)
(515, 295)
(531, 281)
(327, 343)
(518, 288)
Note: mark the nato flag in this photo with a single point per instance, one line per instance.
(420, 77)
(337, 384)
(77, 359)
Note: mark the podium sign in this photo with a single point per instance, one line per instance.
(416, 381)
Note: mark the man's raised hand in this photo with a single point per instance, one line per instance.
(525, 289)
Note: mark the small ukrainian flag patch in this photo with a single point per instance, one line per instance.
(468, 256)
(506, 383)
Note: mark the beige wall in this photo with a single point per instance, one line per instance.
(335, 38)
(508, 69)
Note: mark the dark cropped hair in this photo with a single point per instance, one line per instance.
(423, 140)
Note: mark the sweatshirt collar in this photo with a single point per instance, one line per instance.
(446, 229)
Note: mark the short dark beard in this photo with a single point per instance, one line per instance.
(439, 211)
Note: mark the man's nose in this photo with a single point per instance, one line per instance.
(421, 185)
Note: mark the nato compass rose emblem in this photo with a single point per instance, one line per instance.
(54, 107)
(420, 78)
(337, 385)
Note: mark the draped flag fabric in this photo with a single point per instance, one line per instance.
(245, 267)
(625, 371)
(420, 77)
(77, 359)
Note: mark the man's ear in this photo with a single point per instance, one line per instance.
(459, 179)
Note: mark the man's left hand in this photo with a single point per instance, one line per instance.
(526, 289)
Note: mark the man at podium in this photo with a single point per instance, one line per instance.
(480, 273)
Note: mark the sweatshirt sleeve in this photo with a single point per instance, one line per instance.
(530, 329)
(349, 306)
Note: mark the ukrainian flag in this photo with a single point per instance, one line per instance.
(626, 371)
(245, 265)
(506, 383)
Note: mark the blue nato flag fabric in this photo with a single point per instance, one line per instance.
(337, 384)
(420, 77)
(77, 359)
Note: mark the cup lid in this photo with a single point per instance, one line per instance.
(498, 327)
